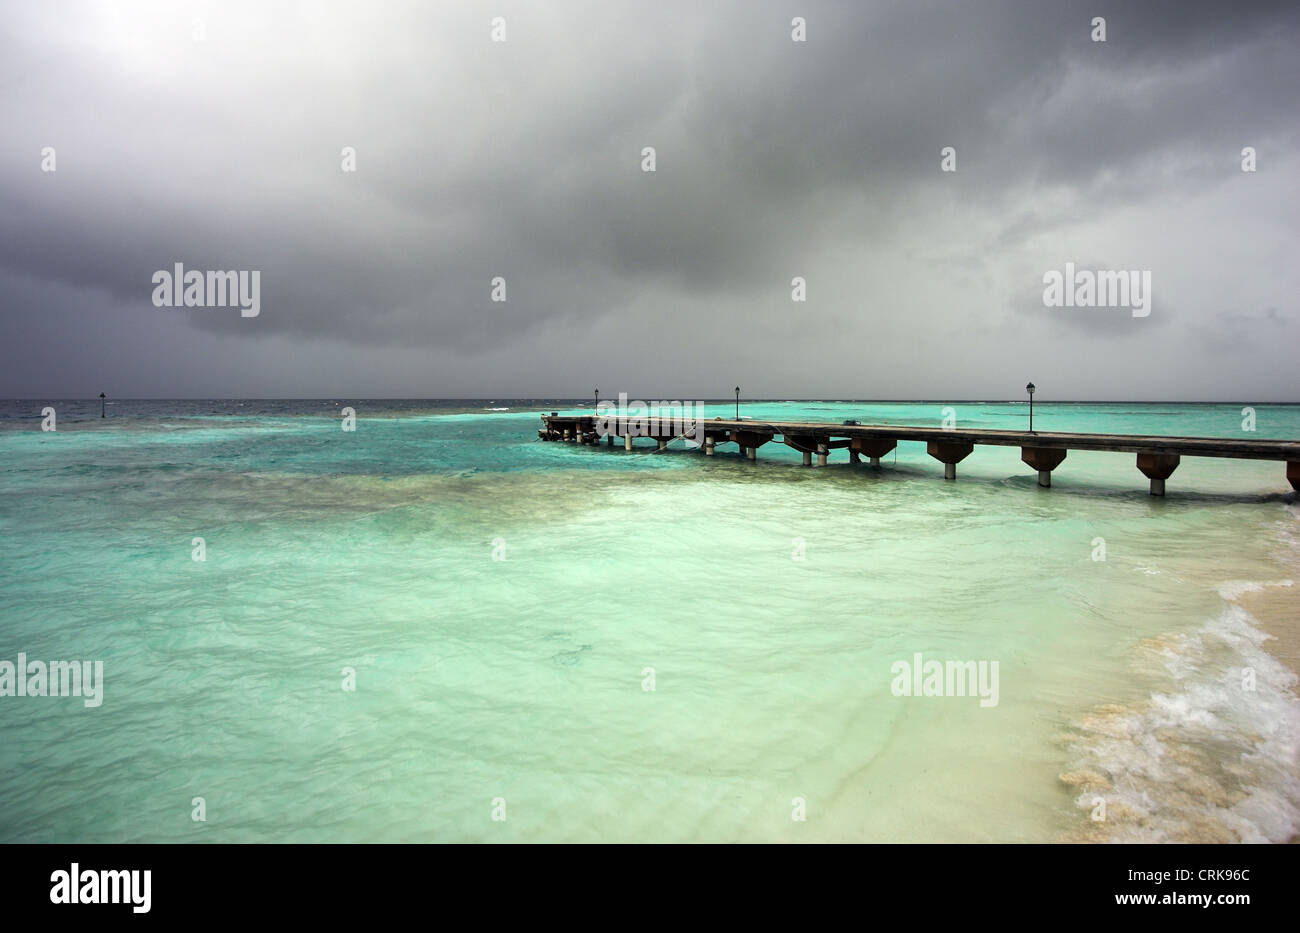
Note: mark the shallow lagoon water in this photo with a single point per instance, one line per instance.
(523, 679)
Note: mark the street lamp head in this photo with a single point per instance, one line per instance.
(1030, 388)
(101, 395)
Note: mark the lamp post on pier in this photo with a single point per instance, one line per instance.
(737, 403)
(1030, 389)
(101, 404)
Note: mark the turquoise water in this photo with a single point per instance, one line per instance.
(519, 686)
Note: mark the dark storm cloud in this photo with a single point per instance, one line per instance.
(522, 159)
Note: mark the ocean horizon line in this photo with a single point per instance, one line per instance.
(586, 399)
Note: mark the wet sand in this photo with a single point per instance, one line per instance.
(1277, 609)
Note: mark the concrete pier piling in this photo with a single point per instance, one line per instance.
(1157, 455)
(803, 444)
(1044, 460)
(949, 453)
(1158, 468)
(873, 448)
(749, 441)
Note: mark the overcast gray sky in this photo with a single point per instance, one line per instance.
(211, 134)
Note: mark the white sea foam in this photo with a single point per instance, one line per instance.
(1212, 757)
(1233, 590)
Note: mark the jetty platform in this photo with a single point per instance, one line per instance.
(1043, 451)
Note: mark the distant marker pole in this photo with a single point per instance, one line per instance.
(1030, 389)
(101, 404)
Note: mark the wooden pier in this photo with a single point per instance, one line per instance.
(1157, 455)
